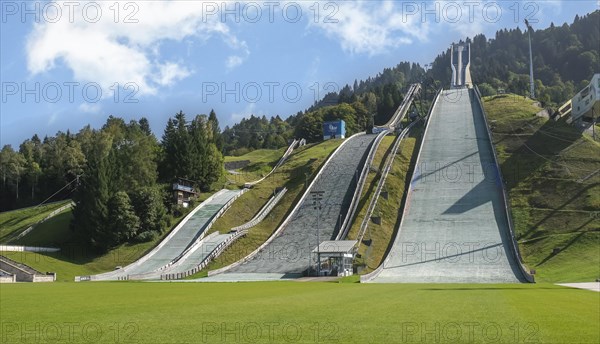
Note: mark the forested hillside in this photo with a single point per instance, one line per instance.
(564, 58)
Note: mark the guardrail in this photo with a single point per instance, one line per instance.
(236, 233)
(370, 276)
(386, 170)
(262, 213)
(279, 163)
(198, 239)
(289, 217)
(211, 256)
(515, 248)
(401, 111)
(51, 215)
(18, 248)
(345, 227)
(398, 116)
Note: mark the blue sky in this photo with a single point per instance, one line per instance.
(67, 64)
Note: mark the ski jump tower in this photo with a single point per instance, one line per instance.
(460, 61)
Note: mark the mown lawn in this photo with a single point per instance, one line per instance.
(549, 170)
(284, 312)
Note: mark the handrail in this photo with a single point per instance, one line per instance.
(345, 227)
(286, 154)
(210, 257)
(370, 276)
(414, 88)
(236, 233)
(198, 240)
(529, 277)
(398, 116)
(264, 211)
(49, 216)
(387, 168)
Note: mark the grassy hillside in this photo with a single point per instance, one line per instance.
(15, 221)
(261, 163)
(293, 312)
(301, 167)
(548, 167)
(74, 259)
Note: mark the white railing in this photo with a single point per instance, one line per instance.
(198, 240)
(345, 227)
(279, 163)
(18, 248)
(51, 215)
(209, 258)
(262, 213)
(370, 276)
(236, 233)
(399, 115)
(508, 211)
(386, 170)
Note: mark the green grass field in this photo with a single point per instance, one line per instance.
(283, 312)
(555, 204)
(15, 221)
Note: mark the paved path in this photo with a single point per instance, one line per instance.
(455, 227)
(593, 286)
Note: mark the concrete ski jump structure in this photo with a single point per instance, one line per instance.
(287, 253)
(460, 62)
(455, 227)
(190, 230)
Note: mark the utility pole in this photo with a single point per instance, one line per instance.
(317, 196)
(531, 81)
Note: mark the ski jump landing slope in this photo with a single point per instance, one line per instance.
(455, 228)
(288, 252)
(184, 235)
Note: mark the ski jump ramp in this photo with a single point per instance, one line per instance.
(288, 252)
(191, 229)
(455, 227)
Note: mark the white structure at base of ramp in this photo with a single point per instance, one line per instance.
(455, 228)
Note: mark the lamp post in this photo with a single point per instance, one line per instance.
(317, 196)
(531, 81)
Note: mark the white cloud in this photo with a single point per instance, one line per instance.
(91, 108)
(369, 27)
(233, 61)
(107, 52)
(245, 113)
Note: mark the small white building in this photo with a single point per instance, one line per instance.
(586, 103)
(335, 257)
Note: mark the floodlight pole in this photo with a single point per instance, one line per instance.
(531, 81)
(317, 196)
